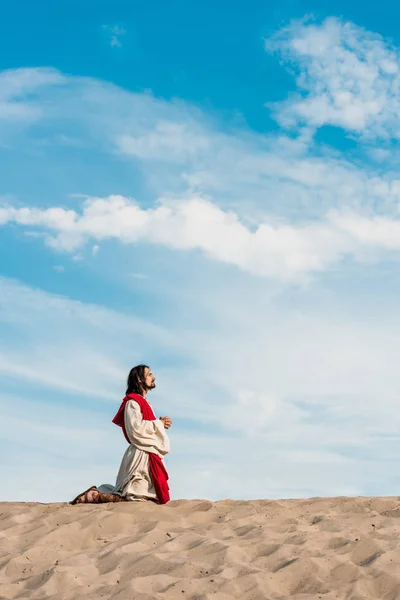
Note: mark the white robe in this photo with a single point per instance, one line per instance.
(133, 480)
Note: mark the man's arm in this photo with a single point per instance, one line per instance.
(145, 435)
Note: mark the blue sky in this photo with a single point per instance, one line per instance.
(212, 189)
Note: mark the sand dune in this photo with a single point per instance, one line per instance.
(318, 548)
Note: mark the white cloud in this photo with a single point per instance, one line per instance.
(349, 77)
(283, 251)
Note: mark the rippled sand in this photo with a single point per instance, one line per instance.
(317, 548)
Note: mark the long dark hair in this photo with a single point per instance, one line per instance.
(135, 383)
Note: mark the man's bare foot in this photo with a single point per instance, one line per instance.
(89, 496)
(93, 496)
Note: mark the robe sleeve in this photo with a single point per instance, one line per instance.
(148, 436)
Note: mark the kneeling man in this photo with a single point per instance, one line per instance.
(142, 475)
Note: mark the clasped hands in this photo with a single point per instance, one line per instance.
(167, 422)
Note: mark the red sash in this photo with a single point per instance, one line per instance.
(158, 471)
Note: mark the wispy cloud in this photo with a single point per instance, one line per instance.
(65, 344)
(167, 141)
(15, 84)
(116, 34)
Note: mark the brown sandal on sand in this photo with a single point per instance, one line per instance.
(84, 496)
